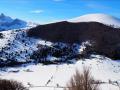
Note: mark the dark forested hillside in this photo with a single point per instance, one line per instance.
(106, 38)
(75, 32)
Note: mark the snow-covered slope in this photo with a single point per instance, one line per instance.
(16, 46)
(102, 18)
(8, 23)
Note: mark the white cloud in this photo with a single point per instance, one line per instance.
(97, 6)
(37, 11)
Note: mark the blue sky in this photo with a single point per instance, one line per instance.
(45, 11)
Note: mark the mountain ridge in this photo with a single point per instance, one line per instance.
(8, 23)
(65, 40)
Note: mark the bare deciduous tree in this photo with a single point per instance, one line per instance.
(83, 81)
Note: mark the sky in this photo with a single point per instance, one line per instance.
(45, 11)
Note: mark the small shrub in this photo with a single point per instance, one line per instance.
(11, 85)
(1, 35)
(82, 81)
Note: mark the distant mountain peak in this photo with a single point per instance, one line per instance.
(2, 15)
(5, 19)
(97, 17)
(8, 23)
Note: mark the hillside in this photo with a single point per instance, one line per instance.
(59, 43)
(105, 39)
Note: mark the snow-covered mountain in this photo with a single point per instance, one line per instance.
(102, 18)
(17, 47)
(22, 45)
(5, 19)
(52, 43)
(8, 23)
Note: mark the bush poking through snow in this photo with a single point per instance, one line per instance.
(82, 81)
(1, 35)
(11, 85)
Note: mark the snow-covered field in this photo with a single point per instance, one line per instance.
(52, 76)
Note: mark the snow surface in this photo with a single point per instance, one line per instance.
(102, 68)
(13, 40)
(102, 18)
(8, 36)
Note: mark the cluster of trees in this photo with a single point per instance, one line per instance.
(62, 53)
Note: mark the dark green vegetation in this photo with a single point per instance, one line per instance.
(1, 35)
